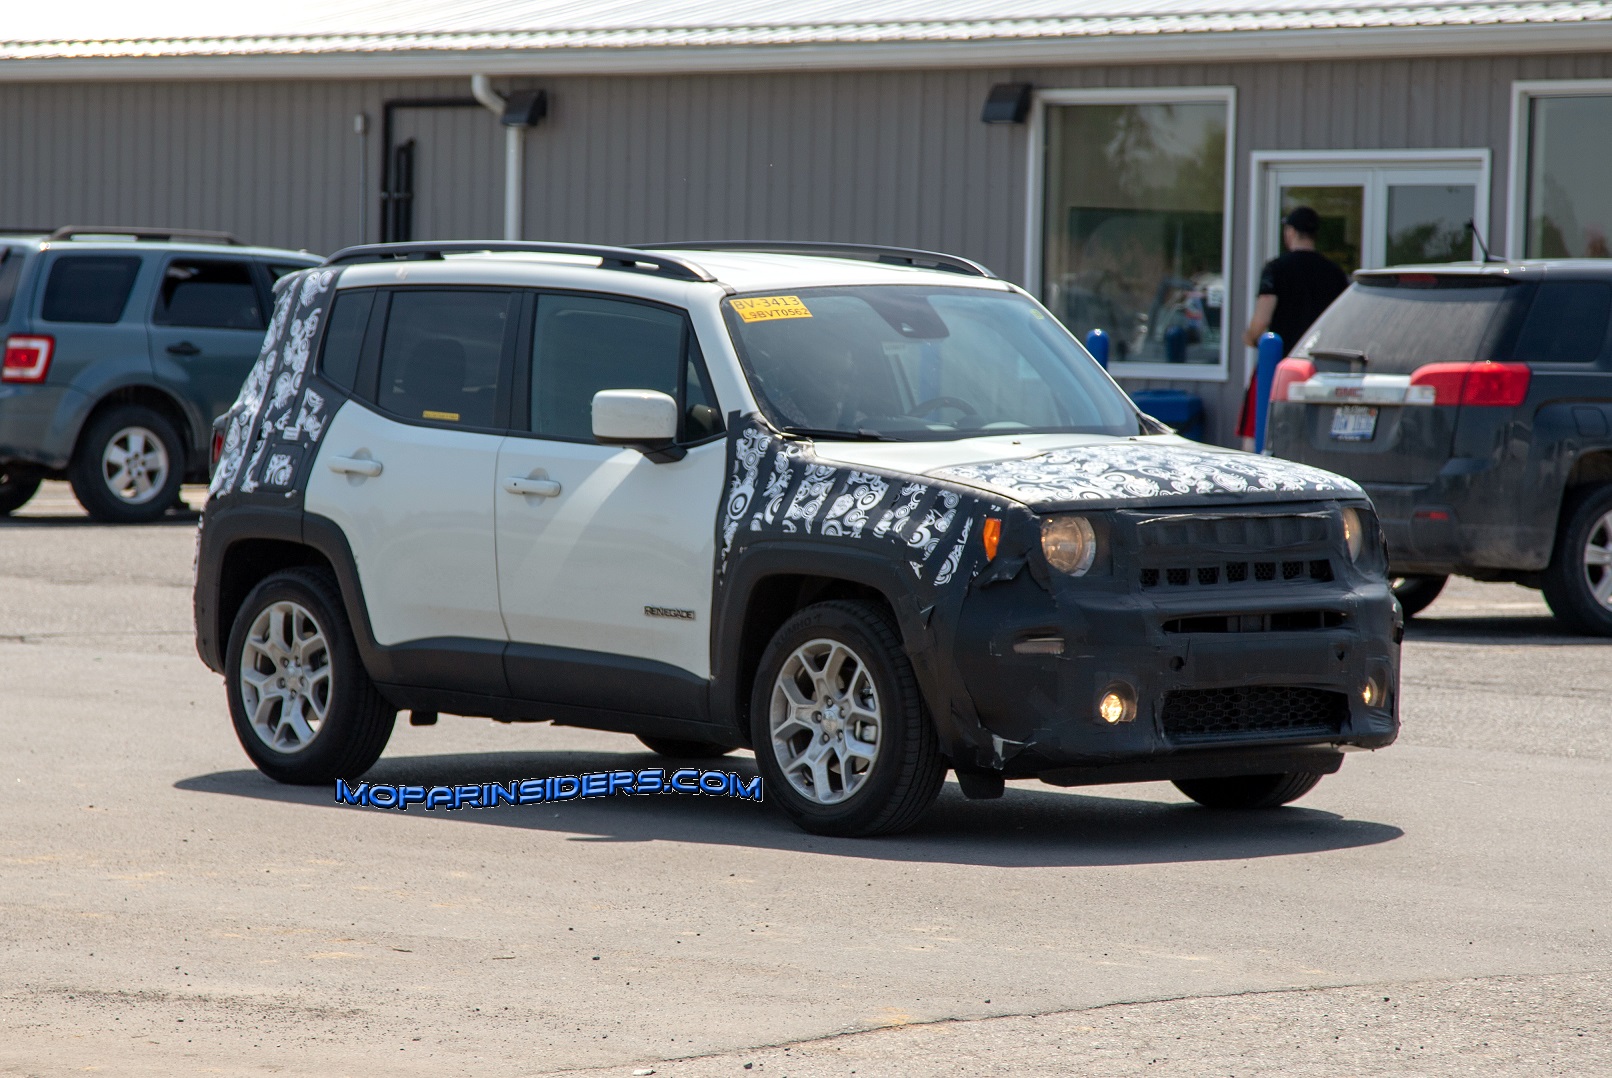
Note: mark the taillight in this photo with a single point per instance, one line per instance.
(1290, 372)
(218, 446)
(27, 358)
(1489, 384)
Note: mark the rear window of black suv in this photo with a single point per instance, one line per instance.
(1399, 322)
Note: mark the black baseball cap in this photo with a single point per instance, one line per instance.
(1303, 220)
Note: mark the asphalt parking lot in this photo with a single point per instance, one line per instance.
(1439, 908)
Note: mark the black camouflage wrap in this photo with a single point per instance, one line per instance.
(272, 432)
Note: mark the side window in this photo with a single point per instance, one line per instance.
(276, 270)
(344, 336)
(582, 345)
(10, 273)
(441, 356)
(89, 288)
(208, 294)
(1566, 324)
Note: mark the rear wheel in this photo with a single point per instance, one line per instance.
(1416, 593)
(1249, 791)
(840, 730)
(303, 706)
(1578, 582)
(129, 465)
(678, 749)
(17, 485)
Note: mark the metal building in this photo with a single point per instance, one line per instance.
(1140, 155)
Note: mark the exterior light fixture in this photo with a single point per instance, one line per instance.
(1008, 103)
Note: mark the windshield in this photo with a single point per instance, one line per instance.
(908, 362)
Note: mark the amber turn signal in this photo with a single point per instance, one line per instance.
(992, 535)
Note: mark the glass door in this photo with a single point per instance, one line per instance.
(1375, 215)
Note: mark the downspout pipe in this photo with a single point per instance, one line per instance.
(514, 152)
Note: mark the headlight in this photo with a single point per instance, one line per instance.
(1354, 533)
(1069, 544)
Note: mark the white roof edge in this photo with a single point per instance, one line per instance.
(1217, 46)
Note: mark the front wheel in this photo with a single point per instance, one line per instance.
(17, 485)
(1578, 582)
(1249, 791)
(303, 706)
(128, 466)
(1416, 593)
(840, 730)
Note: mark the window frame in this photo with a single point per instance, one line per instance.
(521, 389)
(366, 382)
(1523, 94)
(265, 307)
(1035, 209)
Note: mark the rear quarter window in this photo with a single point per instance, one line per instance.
(1566, 323)
(1400, 326)
(89, 288)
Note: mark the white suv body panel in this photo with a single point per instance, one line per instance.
(422, 531)
(582, 569)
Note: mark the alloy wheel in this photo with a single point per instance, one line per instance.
(135, 465)
(1598, 560)
(286, 676)
(825, 721)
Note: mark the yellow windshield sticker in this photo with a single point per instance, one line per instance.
(767, 308)
(451, 417)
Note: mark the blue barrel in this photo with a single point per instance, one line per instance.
(1180, 409)
(1097, 345)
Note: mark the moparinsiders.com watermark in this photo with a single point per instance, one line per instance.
(653, 780)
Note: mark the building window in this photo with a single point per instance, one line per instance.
(1569, 205)
(1133, 229)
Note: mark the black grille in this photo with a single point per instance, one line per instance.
(1277, 711)
(1236, 572)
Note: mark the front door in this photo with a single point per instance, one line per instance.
(605, 556)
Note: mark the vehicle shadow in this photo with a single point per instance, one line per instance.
(1032, 826)
(173, 518)
(1523, 629)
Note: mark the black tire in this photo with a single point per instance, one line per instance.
(679, 749)
(1249, 791)
(357, 722)
(1570, 581)
(1416, 593)
(16, 486)
(92, 486)
(907, 771)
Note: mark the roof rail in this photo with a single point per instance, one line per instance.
(194, 235)
(898, 256)
(620, 258)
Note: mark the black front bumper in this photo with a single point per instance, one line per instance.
(1228, 677)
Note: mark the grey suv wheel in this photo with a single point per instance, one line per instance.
(128, 467)
(1578, 582)
(840, 730)
(16, 487)
(303, 706)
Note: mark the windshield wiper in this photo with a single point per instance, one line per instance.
(829, 434)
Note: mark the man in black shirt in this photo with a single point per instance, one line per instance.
(1294, 288)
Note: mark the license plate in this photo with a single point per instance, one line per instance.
(1354, 423)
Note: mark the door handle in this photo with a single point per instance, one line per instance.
(543, 488)
(355, 466)
(183, 348)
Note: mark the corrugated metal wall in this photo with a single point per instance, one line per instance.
(896, 157)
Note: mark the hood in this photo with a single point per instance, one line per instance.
(1096, 472)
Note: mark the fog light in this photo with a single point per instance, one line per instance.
(1118, 704)
(1372, 693)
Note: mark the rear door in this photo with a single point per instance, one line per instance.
(207, 323)
(1361, 415)
(407, 471)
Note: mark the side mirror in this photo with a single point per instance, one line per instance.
(642, 418)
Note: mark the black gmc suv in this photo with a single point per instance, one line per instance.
(1474, 404)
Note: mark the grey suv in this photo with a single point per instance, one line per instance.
(121, 345)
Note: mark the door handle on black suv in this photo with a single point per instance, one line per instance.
(183, 348)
